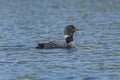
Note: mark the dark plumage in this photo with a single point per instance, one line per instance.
(68, 33)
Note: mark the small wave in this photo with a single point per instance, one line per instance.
(15, 47)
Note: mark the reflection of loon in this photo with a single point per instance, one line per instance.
(68, 34)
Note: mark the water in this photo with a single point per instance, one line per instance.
(24, 23)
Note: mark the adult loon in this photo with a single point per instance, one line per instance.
(68, 35)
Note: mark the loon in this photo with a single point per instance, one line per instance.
(68, 35)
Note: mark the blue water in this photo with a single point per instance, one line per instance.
(24, 23)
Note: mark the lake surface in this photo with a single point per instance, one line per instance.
(24, 23)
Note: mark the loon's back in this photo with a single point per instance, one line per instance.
(52, 44)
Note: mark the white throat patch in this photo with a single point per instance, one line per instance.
(67, 36)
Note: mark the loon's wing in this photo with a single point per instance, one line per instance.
(59, 44)
(52, 44)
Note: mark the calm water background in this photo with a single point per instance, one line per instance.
(24, 23)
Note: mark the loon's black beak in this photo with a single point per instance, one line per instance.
(77, 29)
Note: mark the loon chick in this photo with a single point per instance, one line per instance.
(68, 34)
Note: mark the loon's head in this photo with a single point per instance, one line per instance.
(68, 33)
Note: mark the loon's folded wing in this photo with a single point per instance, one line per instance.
(52, 44)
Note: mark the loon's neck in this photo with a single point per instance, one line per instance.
(69, 39)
